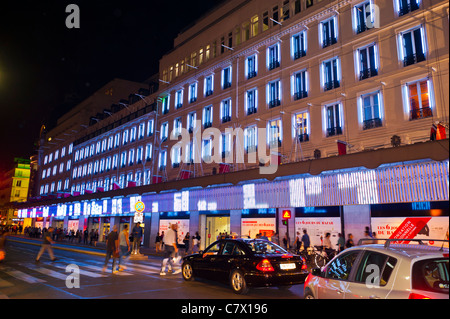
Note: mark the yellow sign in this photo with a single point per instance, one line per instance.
(139, 206)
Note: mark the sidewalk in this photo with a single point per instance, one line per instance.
(98, 250)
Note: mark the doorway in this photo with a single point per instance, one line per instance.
(216, 225)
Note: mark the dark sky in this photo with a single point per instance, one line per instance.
(46, 68)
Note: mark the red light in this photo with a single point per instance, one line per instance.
(446, 255)
(286, 214)
(286, 256)
(265, 266)
(418, 296)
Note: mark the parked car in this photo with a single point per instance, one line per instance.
(394, 271)
(245, 263)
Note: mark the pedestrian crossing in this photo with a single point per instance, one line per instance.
(47, 271)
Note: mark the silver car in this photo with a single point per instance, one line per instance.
(394, 271)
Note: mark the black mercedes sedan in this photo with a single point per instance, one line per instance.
(246, 263)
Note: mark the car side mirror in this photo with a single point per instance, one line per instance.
(316, 272)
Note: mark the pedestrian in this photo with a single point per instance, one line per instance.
(3, 234)
(196, 243)
(137, 235)
(186, 241)
(125, 247)
(170, 251)
(286, 241)
(112, 249)
(327, 246)
(305, 240)
(85, 236)
(46, 245)
(341, 242)
(298, 243)
(349, 242)
(275, 238)
(158, 242)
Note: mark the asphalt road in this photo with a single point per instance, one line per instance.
(22, 278)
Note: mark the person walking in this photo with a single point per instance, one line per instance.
(137, 235)
(46, 245)
(112, 249)
(349, 242)
(187, 242)
(341, 242)
(305, 240)
(170, 250)
(125, 247)
(158, 243)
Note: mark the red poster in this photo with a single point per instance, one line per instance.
(410, 228)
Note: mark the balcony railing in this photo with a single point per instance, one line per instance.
(372, 123)
(332, 131)
(407, 8)
(413, 58)
(303, 137)
(328, 41)
(299, 53)
(274, 65)
(300, 95)
(251, 110)
(331, 85)
(251, 74)
(367, 73)
(420, 113)
(274, 103)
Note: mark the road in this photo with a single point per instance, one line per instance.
(22, 278)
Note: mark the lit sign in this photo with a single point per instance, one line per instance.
(421, 206)
(181, 201)
(286, 214)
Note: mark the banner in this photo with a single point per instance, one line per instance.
(317, 227)
(183, 227)
(405, 228)
(253, 226)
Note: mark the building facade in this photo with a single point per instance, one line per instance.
(335, 99)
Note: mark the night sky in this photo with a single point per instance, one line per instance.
(46, 69)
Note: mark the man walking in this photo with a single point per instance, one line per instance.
(112, 249)
(46, 244)
(124, 244)
(170, 249)
(137, 236)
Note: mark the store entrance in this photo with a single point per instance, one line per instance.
(216, 226)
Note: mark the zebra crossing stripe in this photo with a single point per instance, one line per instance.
(22, 276)
(47, 272)
(82, 271)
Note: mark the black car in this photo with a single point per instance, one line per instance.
(245, 263)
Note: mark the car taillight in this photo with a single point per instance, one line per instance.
(264, 265)
(308, 279)
(304, 266)
(418, 296)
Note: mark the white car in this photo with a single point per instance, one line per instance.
(394, 271)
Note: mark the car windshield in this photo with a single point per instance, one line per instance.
(265, 247)
(431, 275)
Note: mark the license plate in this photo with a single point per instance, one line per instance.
(287, 266)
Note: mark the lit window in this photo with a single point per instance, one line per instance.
(328, 32)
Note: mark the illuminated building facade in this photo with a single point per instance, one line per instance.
(346, 94)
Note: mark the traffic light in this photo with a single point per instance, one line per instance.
(285, 222)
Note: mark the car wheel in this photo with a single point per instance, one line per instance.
(187, 271)
(237, 282)
(308, 294)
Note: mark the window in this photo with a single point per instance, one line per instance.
(108, 163)
(413, 46)
(274, 133)
(209, 85)
(207, 150)
(275, 15)
(255, 26)
(298, 45)
(131, 157)
(104, 143)
(191, 119)
(301, 126)
(123, 159)
(285, 10)
(125, 137)
(110, 143)
(164, 131)
(297, 6)
(102, 165)
(251, 66)
(328, 32)
(176, 156)
(162, 162)
(148, 152)
(367, 62)
(225, 110)
(190, 152)
(251, 101)
(431, 274)
(341, 267)
(251, 139)
(63, 152)
(165, 104)
(273, 93)
(193, 92)
(265, 21)
(330, 74)
(406, 6)
(363, 17)
(141, 132)
(116, 141)
(384, 263)
(225, 144)
(115, 162)
(133, 134)
(207, 116)
(177, 127)
(370, 104)
(179, 99)
(139, 154)
(333, 119)
(273, 56)
(299, 85)
(150, 127)
(226, 78)
(419, 99)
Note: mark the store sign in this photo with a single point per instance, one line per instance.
(317, 227)
(139, 212)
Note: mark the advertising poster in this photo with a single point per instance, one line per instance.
(253, 226)
(317, 227)
(424, 228)
(183, 227)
